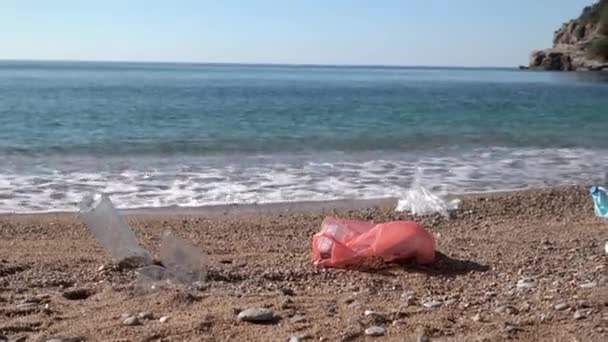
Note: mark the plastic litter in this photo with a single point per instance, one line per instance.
(600, 205)
(152, 278)
(183, 263)
(600, 201)
(111, 230)
(343, 243)
(420, 201)
(186, 262)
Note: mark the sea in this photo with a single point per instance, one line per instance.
(164, 135)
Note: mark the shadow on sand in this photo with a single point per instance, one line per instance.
(443, 266)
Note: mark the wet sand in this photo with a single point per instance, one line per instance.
(547, 241)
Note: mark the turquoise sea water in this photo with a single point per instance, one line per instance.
(195, 134)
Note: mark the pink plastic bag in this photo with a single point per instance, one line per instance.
(342, 243)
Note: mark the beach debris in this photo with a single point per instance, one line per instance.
(600, 205)
(183, 263)
(375, 331)
(600, 201)
(111, 230)
(419, 201)
(256, 315)
(343, 243)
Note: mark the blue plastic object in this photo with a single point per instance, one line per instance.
(600, 201)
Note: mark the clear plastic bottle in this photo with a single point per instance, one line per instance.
(111, 230)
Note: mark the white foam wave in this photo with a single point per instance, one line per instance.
(192, 182)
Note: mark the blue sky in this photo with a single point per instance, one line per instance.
(387, 32)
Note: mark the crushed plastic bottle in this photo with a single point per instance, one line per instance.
(153, 278)
(111, 230)
(186, 262)
(600, 201)
(342, 243)
(184, 265)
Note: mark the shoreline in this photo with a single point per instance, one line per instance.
(313, 206)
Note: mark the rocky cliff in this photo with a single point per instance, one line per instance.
(576, 42)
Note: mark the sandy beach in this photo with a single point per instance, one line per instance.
(524, 266)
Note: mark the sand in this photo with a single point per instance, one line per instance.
(547, 240)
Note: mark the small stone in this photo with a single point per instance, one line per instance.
(449, 302)
(298, 319)
(163, 319)
(287, 291)
(256, 315)
(125, 315)
(286, 303)
(511, 328)
(145, 315)
(424, 338)
(295, 339)
(561, 306)
(477, 318)
(131, 321)
(354, 304)
(66, 339)
(399, 322)
(101, 268)
(526, 283)
(26, 305)
(432, 304)
(375, 331)
(589, 285)
(77, 294)
(506, 309)
(579, 314)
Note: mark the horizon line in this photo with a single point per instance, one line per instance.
(345, 65)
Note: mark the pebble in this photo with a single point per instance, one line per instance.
(287, 291)
(163, 319)
(525, 283)
(131, 321)
(66, 339)
(477, 318)
(125, 315)
(589, 285)
(298, 319)
(509, 328)
(375, 331)
(561, 306)
(295, 339)
(145, 315)
(256, 315)
(424, 338)
(26, 305)
(579, 314)
(432, 304)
